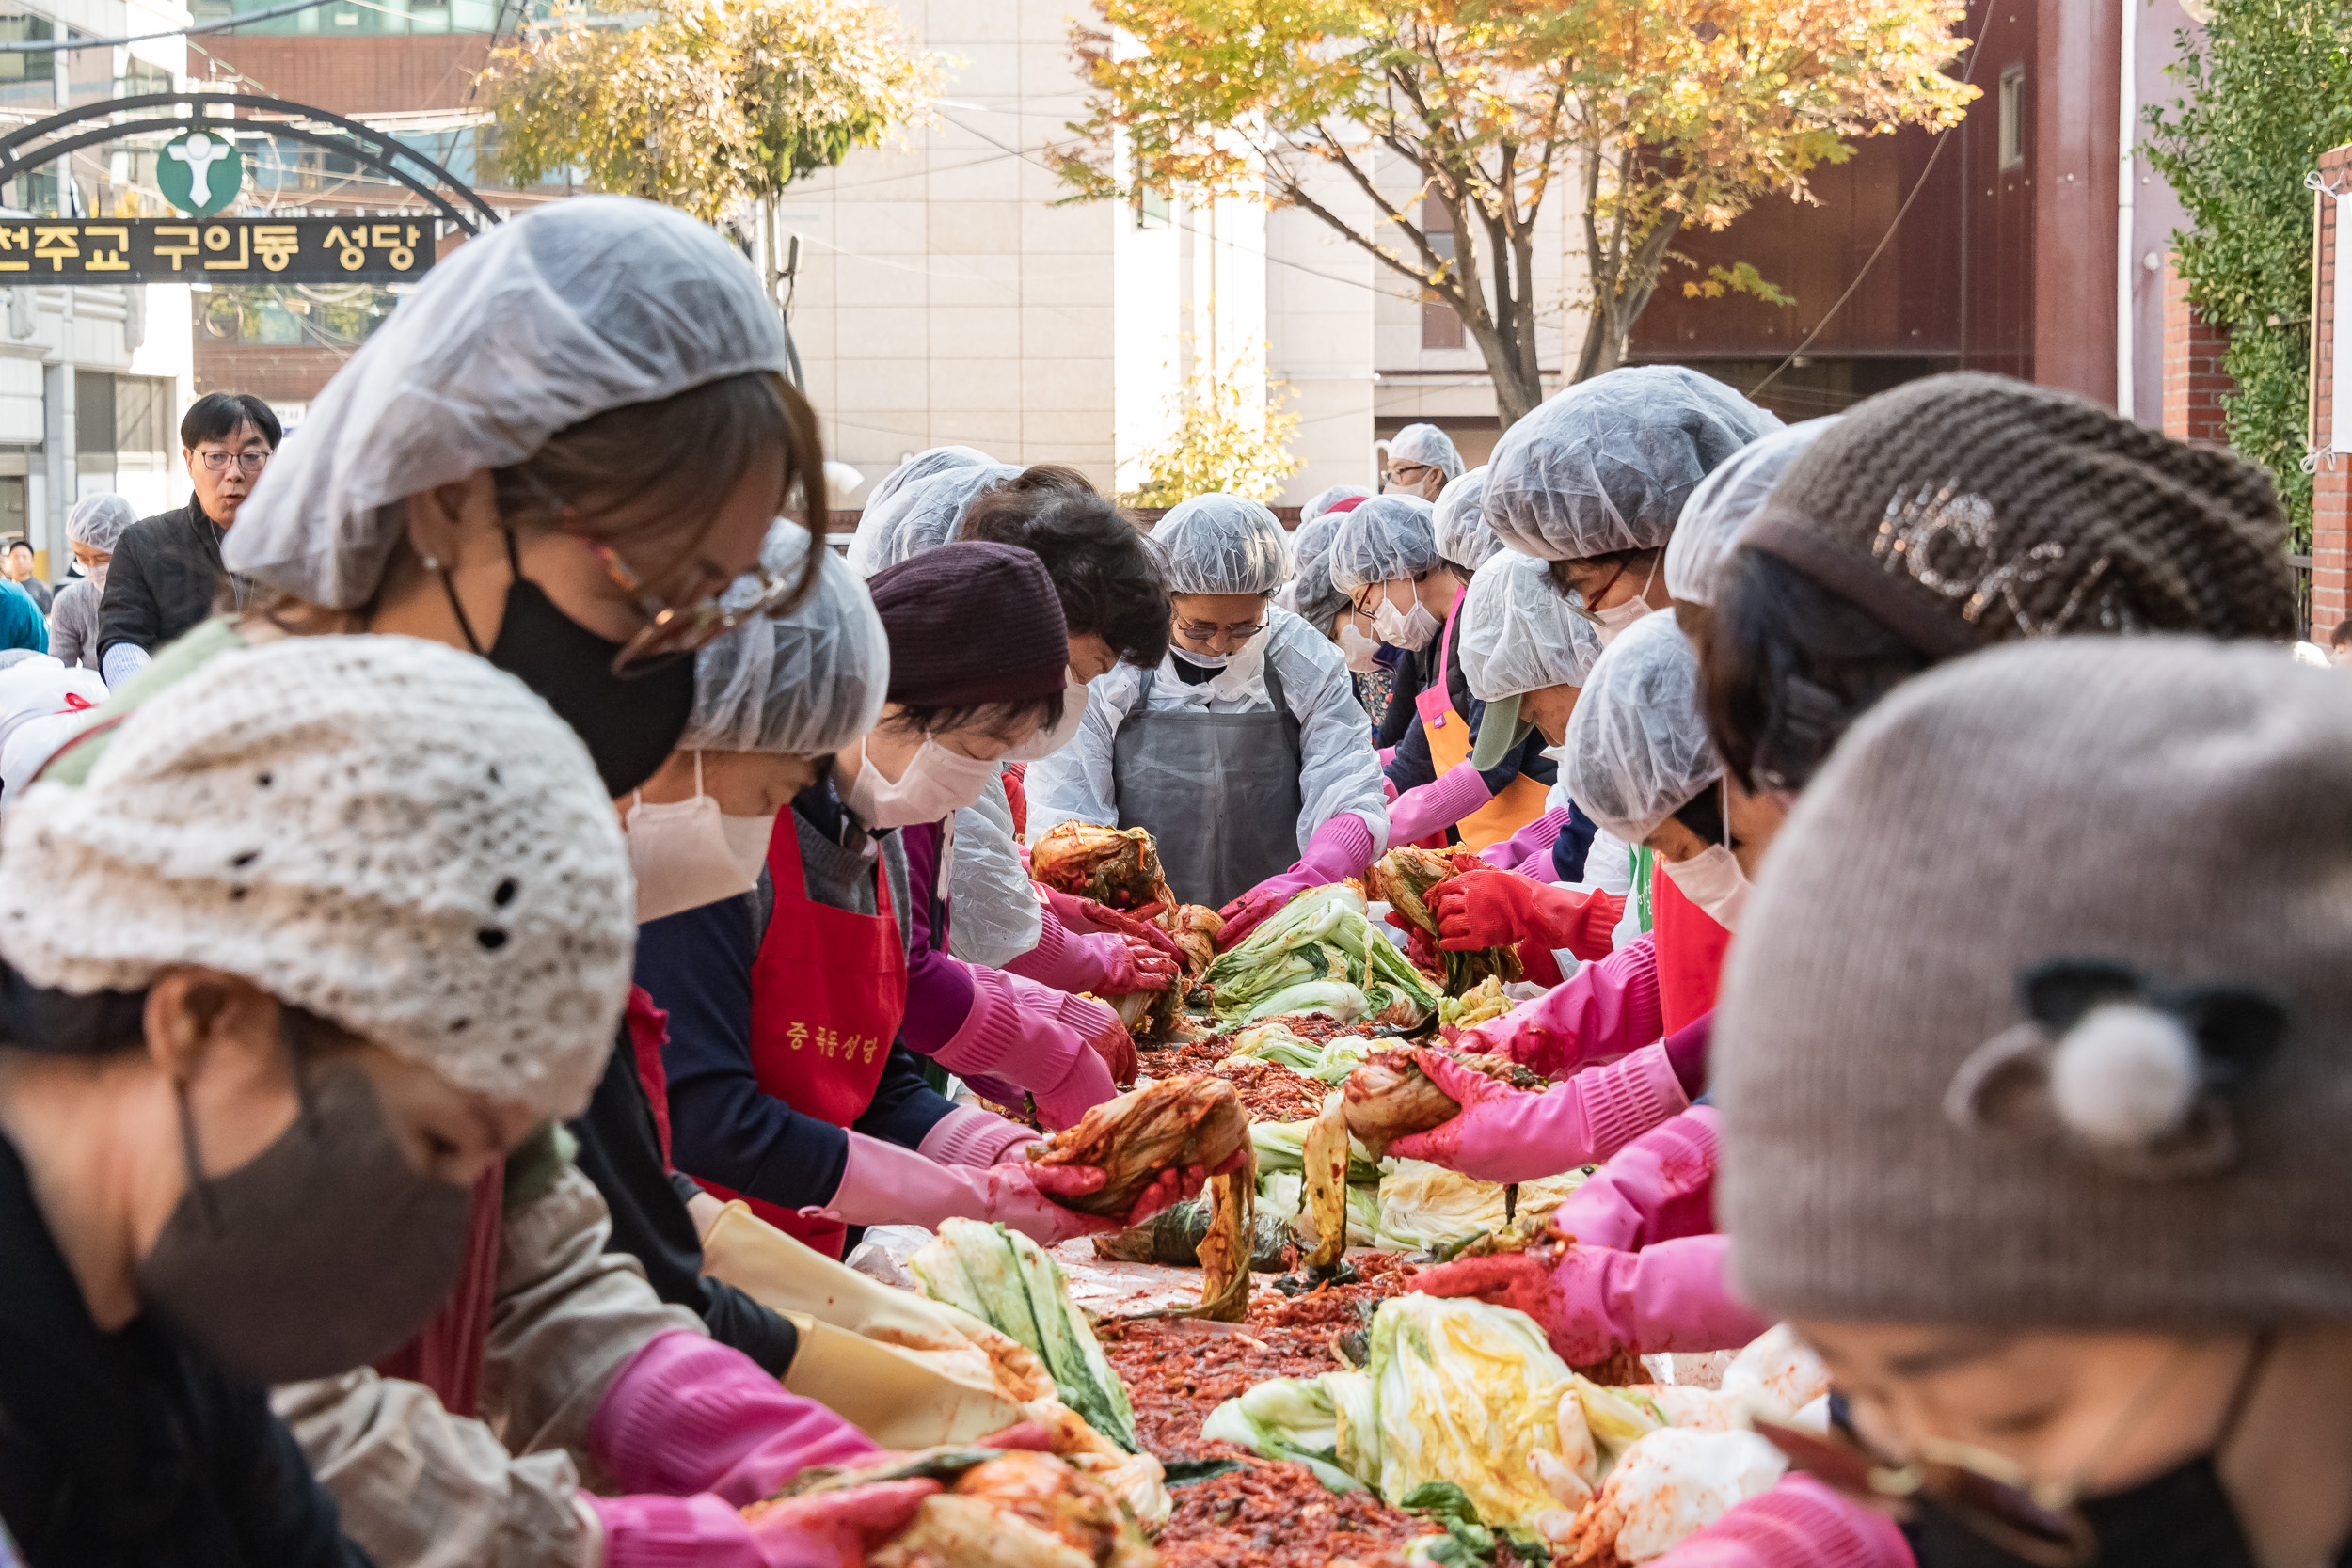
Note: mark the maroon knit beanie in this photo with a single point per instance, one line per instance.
(971, 623)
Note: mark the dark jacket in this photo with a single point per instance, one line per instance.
(166, 575)
(39, 592)
(127, 1450)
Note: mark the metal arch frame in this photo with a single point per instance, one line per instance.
(374, 148)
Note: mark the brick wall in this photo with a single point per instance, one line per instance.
(291, 373)
(2194, 380)
(360, 75)
(2332, 486)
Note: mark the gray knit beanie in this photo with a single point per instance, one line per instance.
(1963, 510)
(2039, 1017)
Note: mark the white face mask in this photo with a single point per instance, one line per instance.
(1608, 622)
(1046, 742)
(97, 576)
(1407, 629)
(937, 783)
(685, 855)
(1712, 879)
(1362, 653)
(1206, 661)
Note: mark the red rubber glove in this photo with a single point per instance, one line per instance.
(1133, 965)
(1502, 908)
(1418, 946)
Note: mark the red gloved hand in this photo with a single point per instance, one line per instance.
(1512, 1279)
(1500, 909)
(1416, 946)
(1117, 1049)
(1133, 965)
(1171, 1187)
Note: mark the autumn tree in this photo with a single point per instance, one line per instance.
(1655, 113)
(710, 105)
(1232, 434)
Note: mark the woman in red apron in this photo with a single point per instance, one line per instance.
(789, 1078)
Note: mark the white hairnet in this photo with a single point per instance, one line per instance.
(923, 465)
(922, 516)
(1463, 536)
(98, 521)
(1425, 443)
(805, 685)
(574, 308)
(1325, 499)
(1722, 505)
(1518, 633)
(1316, 598)
(1606, 465)
(1221, 544)
(1384, 538)
(1637, 746)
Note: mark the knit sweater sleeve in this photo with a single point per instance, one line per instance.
(939, 988)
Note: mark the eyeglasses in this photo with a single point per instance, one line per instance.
(1974, 1490)
(218, 462)
(672, 629)
(1203, 631)
(1578, 601)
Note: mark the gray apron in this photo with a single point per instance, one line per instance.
(1220, 792)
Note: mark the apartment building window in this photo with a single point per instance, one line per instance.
(1440, 327)
(26, 66)
(1150, 205)
(2012, 134)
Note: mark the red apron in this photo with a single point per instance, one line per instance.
(1448, 734)
(828, 990)
(1690, 947)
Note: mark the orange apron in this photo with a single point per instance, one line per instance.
(829, 991)
(1449, 736)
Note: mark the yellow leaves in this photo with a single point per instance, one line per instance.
(1232, 434)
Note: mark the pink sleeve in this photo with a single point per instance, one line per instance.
(1513, 853)
(688, 1415)
(1062, 958)
(1673, 1296)
(1014, 1034)
(1797, 1523)
(1604, 1012)
(1659, 1187)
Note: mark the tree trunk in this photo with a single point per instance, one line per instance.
(1518, 387)
(1610, 327)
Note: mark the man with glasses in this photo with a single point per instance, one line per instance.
(1421, 459)
(166, 571)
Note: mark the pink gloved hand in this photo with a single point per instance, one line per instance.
(688, 1415)
(1133, 965)
(1086, 915)
(1603, 1012)
(1529, 842)
(1084, 1084)
(1505, 1135)
(1595, 1302)
(1015, 1038)
(1340, 848)
(1432, 807)
(1110, 962)
(967, 1136)
(1387, 785)
(1657, 1188)
(832, 1529)
(1800, 1522)
(884, 1184)
(1164, 1191)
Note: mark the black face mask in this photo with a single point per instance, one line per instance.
(629, 723)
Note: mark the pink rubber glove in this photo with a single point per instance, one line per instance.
(1507, 1134)
(1091, 918)
(1596, 1301)
(1432, 807)
(1529, 842)
(1097, 1024)
(967, 1136)
(688, 1415)
(1800, 1522)
(1110, 963)
(1659, 1187)
(1340, 848)
(1605, 1010)
(833, 1529)
(884, 1184)
(1387, 785)
(1014, 1038)
(1387, 754)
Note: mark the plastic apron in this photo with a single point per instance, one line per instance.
(1449, 736)
(828, 990)
(1220, 792)
(1689, 949)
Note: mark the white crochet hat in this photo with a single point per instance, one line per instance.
(384, 831)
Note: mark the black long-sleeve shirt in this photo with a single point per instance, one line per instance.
(166, 575)
(129, 1450)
